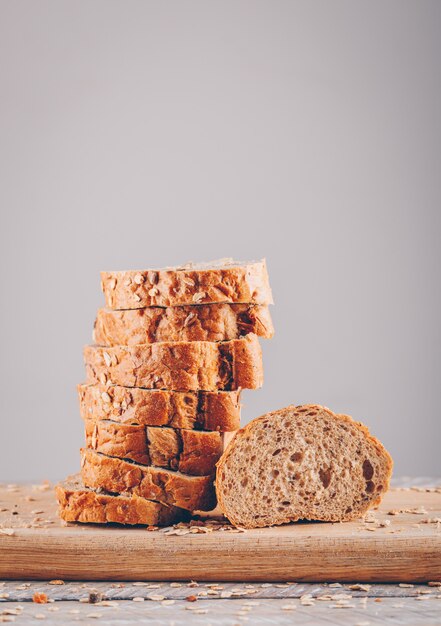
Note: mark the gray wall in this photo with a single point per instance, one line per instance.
(137, 134)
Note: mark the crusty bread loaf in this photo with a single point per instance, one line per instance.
(209, 322)
(192, 452)
(186, 366)
(222, 281)
(205, 410)
(301, 462)
(172, 488)
(78, 503)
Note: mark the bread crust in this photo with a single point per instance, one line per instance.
(204, 410)
(135, 289)
(172, 488)
(247, 432)
(78, 503)
(210, 322)
(186, 366)
(193, 452)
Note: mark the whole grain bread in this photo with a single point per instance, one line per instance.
(192, 452)
(205, 410)
(209, 322)
(78, 503)
(301, 462)
(219, 281)
(186, 366)
(166, 486)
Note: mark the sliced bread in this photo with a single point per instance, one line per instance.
(192, 452)
(205, 410)
(301, 462)
(78, 503)
(210, 322)
(219, 281)
(183, 365)
(172, 488)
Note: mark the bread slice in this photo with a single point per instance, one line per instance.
(204, 410)
(207, 322)
(78, 503)
(220, 281)
(192, 452)
(172, 488)
(186, 366)
(301, 462)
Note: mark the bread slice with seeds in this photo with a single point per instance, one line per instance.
(192, 452)
(78, 503)
(182, 365)
(173, 488)
(209, 322)
(301, 462)
(219, 281)
(204, 410)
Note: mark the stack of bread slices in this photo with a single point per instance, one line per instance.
(171, 353)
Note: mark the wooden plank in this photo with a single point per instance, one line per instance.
(228, 612)
(22, 591)
(42, 548)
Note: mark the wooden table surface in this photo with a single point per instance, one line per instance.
(221, 604)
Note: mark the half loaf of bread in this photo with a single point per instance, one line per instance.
(301, 462)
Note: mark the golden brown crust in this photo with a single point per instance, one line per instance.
(78, 503)
(247, 283)
(186, 366)
(203, 410)
(172, 488)
(247, 431)
(211, 322)
(192, 452)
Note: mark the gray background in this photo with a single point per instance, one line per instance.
(138, 134)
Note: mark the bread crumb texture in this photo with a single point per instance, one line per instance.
(301, 463)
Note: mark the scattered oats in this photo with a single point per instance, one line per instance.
(56, 582)
(7, 531)
(434, 583)
(359, 587)
(7, 618)
(422, 598)
(39, 616)
(423, 591)
(4, 596)
(53, 608)
(84, 600)
(167, 602)
(288, 607)
(362, 624)
(156, 598)
(29, 499)
(224, 594)
(264, 585)
(138, 599)
(335, 585)
(15, 611)
(111, 603)
(372, 530)
(431, 520)
(176, 585)
(39, 598)
(94, 615)
(141, 584)
(108, 362)
(342, 605)
(384, 523)
(406, 585)
(74, 611)
(192, 583)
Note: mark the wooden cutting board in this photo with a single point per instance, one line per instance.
(404, 547)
